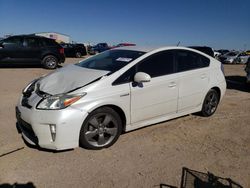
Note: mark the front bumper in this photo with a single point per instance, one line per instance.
(35, 126)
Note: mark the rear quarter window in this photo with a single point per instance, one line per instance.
(188, 60)
(49, 42)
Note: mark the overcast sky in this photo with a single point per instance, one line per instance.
(215, 23)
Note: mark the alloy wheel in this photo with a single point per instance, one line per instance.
(211, 103)
(101, 130)
(50, 62)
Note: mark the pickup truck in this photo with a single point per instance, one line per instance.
(74, 50)
(98, 48)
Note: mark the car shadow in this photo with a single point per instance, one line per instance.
(18, 185)
(17, 66)
(237, 83)
(20, 65)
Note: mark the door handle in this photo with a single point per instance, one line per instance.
(172, 84)
(203, 76)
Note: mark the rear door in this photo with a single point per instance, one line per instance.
(159, 96)
(193, 72)
(31, 50)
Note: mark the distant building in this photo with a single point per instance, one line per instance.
(59, 37)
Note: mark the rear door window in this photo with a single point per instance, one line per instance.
(31, 42)
(48, 42)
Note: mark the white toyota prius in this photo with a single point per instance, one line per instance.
(92, 102)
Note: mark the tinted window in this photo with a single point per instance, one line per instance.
(187, 60)
(158, 64)
(206, 50)
(31, 42)
(17, 41)
(126, 77)
(112, 60)
(48, 42)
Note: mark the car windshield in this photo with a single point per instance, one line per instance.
(111, 60)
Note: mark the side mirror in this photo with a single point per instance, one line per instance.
(141, 77)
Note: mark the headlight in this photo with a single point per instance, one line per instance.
(57, 102)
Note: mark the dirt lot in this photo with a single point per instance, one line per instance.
(143, 158)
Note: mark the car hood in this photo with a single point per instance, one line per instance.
(68, 78)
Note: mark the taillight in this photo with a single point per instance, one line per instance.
(61, 50)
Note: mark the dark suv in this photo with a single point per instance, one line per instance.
(74, 50)
(31, 49)
(205, 49)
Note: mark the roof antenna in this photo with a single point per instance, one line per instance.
(178, 43)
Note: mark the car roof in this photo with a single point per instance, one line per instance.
(30, 35)
(139, 48)
(152, 48)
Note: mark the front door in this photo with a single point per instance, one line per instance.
(10, 49)
(159, 96)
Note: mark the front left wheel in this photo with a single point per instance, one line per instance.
(101, 129)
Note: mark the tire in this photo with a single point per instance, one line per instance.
(50, 62)
(78, 54)
(101, 129)
(210, 103)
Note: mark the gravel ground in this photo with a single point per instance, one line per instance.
(143, 158)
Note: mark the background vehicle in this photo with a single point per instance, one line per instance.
(247, 52)
(242, 58)
(74, 50)
(228, 57)
(102, 96)
(247, 69)
(204, 49)
(217, 54)
(30, 49)
(223, 51)
(98, 48)
(123, 44)
(234, 57)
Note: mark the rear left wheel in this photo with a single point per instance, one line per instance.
(50, 62)
(78, 54)
(210, 103)
(101, 129)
